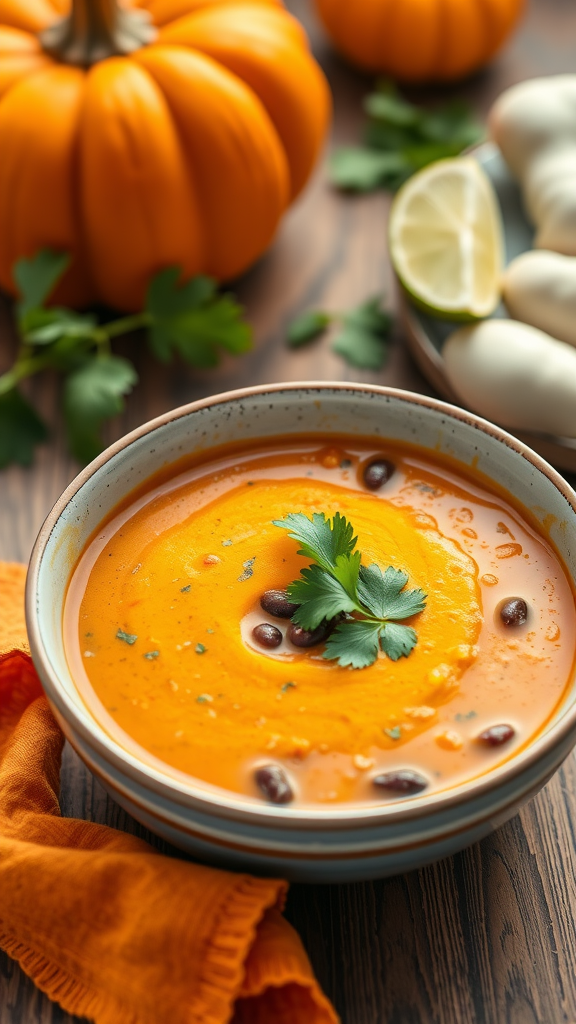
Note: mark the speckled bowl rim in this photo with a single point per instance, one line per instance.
(221, 803)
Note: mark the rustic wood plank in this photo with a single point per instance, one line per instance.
(489, 936)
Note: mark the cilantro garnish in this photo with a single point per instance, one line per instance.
(361, 338)
(395, 733)
(193, 319)
(248, 570)
(463, 717)
(190, 319)
(306, 327)
(399, 139)
(128, 638)
(92, 394)
(21, 429)
(368, 602)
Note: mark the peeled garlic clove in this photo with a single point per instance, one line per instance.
(534, 125)
(539, 288)
(514, 374)
(533, 116)
(550, 197)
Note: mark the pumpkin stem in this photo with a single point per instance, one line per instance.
(95, 30)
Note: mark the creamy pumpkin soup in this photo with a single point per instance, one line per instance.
(318, 620)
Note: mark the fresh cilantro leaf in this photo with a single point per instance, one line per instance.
(451, 124)
(377, 589)
(320, 538)
(193, 320)
(384, 594)
(307, 327)
(338, 585)
(428, 152)
(319, 596)
(37, 277)
(45, 326)
(92, 394)
(203, 333)
(386, 105)
(346, 571)
(167, 295)
(399, 139)
(364, 336)
(21, 429)
(360, 349)
(67, 353)
(380, 136)
(370, 316)
(359, 169)
(354, 644)
(397, 641)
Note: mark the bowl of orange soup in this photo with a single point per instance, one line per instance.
(324, 631)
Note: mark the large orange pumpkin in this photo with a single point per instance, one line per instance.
(176, 133)
(419, 40)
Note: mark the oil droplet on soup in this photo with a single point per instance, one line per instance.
(190, 659)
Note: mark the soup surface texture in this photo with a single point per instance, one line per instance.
(162, 607)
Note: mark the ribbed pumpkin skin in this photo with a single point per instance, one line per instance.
(419, 40)
(186, 152)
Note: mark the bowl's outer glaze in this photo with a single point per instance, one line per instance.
(341, 843)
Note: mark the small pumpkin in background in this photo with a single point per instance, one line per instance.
(419, 40)
(171, 132)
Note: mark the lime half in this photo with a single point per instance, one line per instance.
(446, 240)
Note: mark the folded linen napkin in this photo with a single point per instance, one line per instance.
(103, 924)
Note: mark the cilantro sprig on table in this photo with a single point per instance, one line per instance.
(370, 604)
(362, 336)
(399, 139)
(191, 320)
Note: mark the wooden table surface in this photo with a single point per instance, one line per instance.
(487, 937)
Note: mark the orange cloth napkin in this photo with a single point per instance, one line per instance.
(107, 927)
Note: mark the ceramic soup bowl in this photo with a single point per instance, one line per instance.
(341, 842)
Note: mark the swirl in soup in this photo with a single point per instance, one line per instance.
(180, 631)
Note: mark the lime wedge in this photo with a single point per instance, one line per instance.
(446, 241)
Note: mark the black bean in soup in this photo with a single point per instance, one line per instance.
(273, 782)
(267, 635)
(514, 612)
(276, 602)
(405, 780)
(377, 473)
(496, 735)
(306, 637)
